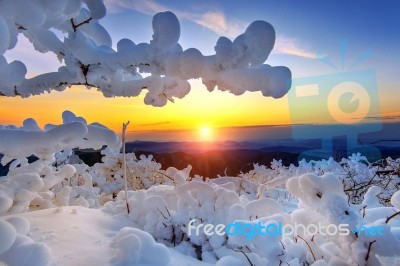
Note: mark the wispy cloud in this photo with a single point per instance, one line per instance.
(146, 7)
(156, 123)
(213, 20)
(291, 46)
(218, 23)
(383, 118)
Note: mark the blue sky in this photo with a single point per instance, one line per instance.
(304, 29)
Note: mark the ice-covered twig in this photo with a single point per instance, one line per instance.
(85, 48)
(124, 127)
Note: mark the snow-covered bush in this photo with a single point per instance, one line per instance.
(355, 172)
(142, 172)
(322, 199)
(165, 212)
(47, 181)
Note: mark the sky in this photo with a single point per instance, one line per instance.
(324, 43)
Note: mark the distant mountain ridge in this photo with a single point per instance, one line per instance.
(194, 147)
(210, 159)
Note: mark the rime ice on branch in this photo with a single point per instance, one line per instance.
(19, 143)
(87, 58)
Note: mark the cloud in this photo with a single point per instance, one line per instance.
(156, 124)
(383, 118)
(213, 20)
(146, 7)
(217, 22)
(291, 46)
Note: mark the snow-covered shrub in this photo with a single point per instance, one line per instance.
(355, 172)
(313, 195)
(323, 200)
(47, 182)
(142, 172)
(165, 212)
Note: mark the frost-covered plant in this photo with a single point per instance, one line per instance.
(322, 199)
(71, 30)
(142, 172)
(48, 181)
(355, 172)
(165, 211)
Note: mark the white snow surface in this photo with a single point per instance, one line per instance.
(82, 236)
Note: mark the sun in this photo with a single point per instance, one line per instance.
(205, 133)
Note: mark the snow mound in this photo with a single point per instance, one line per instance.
(21, 225)
(17, 249)
(7, 236)
(5, 203)
(396, 200)
(136, 246)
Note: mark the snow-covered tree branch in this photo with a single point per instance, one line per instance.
(71, 30)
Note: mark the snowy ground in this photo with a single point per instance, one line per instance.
(83, 236)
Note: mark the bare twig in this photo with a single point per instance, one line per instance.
(363, 215)
(161, 213)
(164, 175)
(391, 217)
(76, 26)
(248, 259)
(312, 253)
(385, 172)
(369, 249)
(169, 214)
(124, 126)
